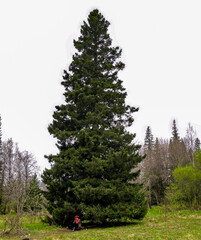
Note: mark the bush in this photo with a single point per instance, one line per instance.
(185, 187)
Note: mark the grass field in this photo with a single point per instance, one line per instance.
(185, 224)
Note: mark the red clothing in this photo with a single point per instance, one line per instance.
(76, 221)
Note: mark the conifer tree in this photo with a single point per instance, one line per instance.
(177, 150)
(148, 164)
(91, 175)
(158, 171)
(175, 134)
(34, 200)
(149, 140)
(197, 144)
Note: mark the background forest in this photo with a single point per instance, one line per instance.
(170, 171)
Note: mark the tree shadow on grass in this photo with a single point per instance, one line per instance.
(89, 225)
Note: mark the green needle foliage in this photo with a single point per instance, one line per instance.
(34, 200)
(92, 173)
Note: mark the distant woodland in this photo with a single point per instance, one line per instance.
(171, 169)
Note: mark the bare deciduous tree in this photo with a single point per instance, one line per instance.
(18, 169)
(190, 142)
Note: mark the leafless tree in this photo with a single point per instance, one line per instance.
(190, 142)
(18, 169)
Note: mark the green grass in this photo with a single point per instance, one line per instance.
(183, 224)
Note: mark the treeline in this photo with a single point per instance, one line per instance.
(19, 185)
(170, 170)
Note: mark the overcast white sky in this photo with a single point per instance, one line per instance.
(161, 42)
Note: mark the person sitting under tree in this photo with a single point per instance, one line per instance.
(76, 223)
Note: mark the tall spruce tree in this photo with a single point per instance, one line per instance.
(149, 140)
(175, 134)
(91, 175)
